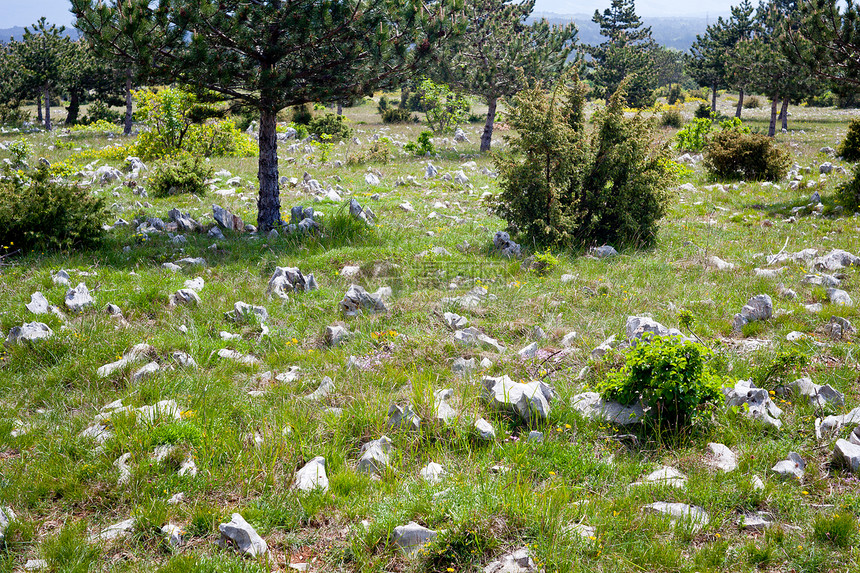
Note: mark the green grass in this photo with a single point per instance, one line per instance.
(64, 488)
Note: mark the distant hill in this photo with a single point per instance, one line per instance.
(18, 32)
(673, 32)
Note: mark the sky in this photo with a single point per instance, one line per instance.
(25, 12)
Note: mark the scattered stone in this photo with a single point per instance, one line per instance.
(403, 418)
(117, 530)
(666, 476)
(637, 326)
(146, 371)
(472, 299)
(136, 354)
(759, 406)
(819, 396)
(188, 468)
(173, 533)
(847, 454)
(567, 339)
(757, 483)
(196, 284)
(600, 350)
(78, 299)
(592, 406)
(517, 562)
(580, 530)
(312, 476)
(371, 179)
(325, 388)
(455, 321)
(239, 534)
(463, 366)
(38, 304)
(442, 409)
(758, 521)
(792, 467)
(527, 400)
(433, 473)
(603, 252)
(832, 424)
(838, 328)
(485, 430)
(759, 307)
(835, 260)
(176, 499)
(62, 278)
(535, 436)
(687, 514)
(7, 516)
(121, 464)
(411, 537)
(839, 297)
(357, 299)
(374, 456)
(471, 336)
(503, 243)
(34, 564)
(227, 220)
(184, 296)
(28, 332)
(244, 313)
(720, 264)
(529, 351)
(722, 458)
(336, 334)
(238, 357)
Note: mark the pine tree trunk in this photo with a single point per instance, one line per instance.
(487, 136)
(47, 109)
(339, 108)
(268, 202)
(772, 129)
(714, 98)
(74, 108)
(39, 108)
(740, 103)
(783, 114)
(126, 130)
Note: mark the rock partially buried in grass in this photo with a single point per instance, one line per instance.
(312, 476)
(531, 400)
(592, 406)
(239, 534)
(137, 353)
(838, 328)
(847, 455)
(357, 299)
(325, 388)
(173, 533)
(433, 473)
(680, 512)
(29, 332)
(506, 247)
(115, 531)
(471, 336)
(38, 304)
(374, 456)
(755, 403)
(442, 410)
(518, 561)
(238, 357)
(403, 418)
(819, 396)
(839, 297)
(835, 260)
(793, 467)
(759, 307)
(411, 537)
(665, 476)
(722, 458)
(243, 312)
(78, 299)
(289, 279)
(485, 430)
(832, 424)
(184, 296)
(7, 516)
(603, 252)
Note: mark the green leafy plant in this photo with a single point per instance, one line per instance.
(674, 95)
(777, 369)
(186, 174)
(703, 111)
(544, 263)
(563, 186)
(752, 102)
(672, 118)
(324, 145)
(20, 151)
(849, 149)
(397, 115)
(302, 114)
(694, 135)
(379, 151)
(444, 108)
(37, 212)
(670, 375)
(734, 153)
(422, 146)
(848, 193)
(100, 111)
(332, 125)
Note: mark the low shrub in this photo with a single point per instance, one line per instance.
(849, 149)
(670, 375)
(422, 146)
(671, 118)
(752, 102)
(36, 212)
(383, 105)
(703, 111)
(379, 151)
(848, 193)
(733, 153)
(694, 135)
(330, 124)
(838, 529)
(674, 95)
(302, 114)
(565, 185)
(101, 111)
(187, 174)
(397, 115)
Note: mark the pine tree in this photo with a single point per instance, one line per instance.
(707, 64)
(498, 53)
(40, 55)
(627, 51)
(272, 54)
(84, 73)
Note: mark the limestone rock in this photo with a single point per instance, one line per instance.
(184, 296)
(527, 400)
(243, 313)
(374, 456)
(173, 533)
(239, 534)
(357, 299)
(471, 336)
(28, 332)
(411, 537)
(638, 326)
(455, 321)
(792, 467)
(325, 388)
(604, 252)
(485, 430)
(312, 476)
(839, 297)
(289, 279)
(847, 455)
(838, 328)
(722, 458)
(666, 476)
(238, 357)
(227, 220)
(403, 418)
(759, 406)
(503, 243)
(336, 334)
(433, 473)
(680, 512)
(592, 406)
(835, 260)
(442, 409)
(78, 299)
(517, 562)
(820, 396)
(115, 531)
(7, 516)
(759, 307)
(38, 304)
(832, 424)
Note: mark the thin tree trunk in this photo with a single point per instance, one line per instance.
(47, 108)
(714, 98)
(339, 108)
(773, 106)
(74, 108)
(487, 136)
(126, 130)
(268, 202)
(783, 114)
(39, 108)
(740, 103)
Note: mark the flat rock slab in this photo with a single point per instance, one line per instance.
(680, 512)
(592, 406)
(722, 458)
(29, 332)
(519, 561)
(411, 537)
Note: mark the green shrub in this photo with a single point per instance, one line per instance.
(751, 102)
(694, 135)
(849, 149)
(383, 105)
(564, 186)
(36, 212)
(379, 152)
(703, 111)
(100, 111)
(838, 529)
(187, 174)
(827, 99)
(422, 146)
(674, 95)
(443, 108)
(670, 375)
(332, 125)
(733, 153)
(397, 115)
(773, 371)
(848, 193)
(12, 115)
(302, 114)
(20, 151)
(671, 118)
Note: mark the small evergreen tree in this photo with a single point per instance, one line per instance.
(41, 55)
